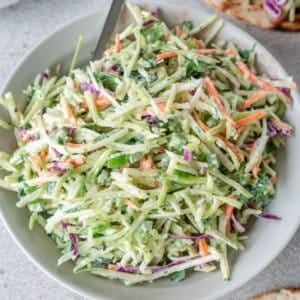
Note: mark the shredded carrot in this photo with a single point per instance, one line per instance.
(236, 150)
(131, 204)
(252, 148)
(264, 85)
(208, 51)
(274, 179)
(166, 38)
(256, 96)
(252, 118)
(215, 95)
(179, 31)
(247, 72)
(43, 155)
(26, 139)
(203, 247)
(76, 162)
(74, 145)
(71, 116)
(35, 164)
(203, 126)
(228, 214)
(199, 43)
(230, 53)
(111, 267)
(161, 106)
(165, 55)
(102, 102)
(117, 43)
(268, 87)
(256, 170)
(146, 163)
(160, 149)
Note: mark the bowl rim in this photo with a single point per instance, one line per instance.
(65, 282)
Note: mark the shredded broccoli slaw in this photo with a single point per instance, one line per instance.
(151, 160)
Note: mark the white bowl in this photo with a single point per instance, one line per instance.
(266, 238)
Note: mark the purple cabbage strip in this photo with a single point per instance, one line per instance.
(192, 92)
(187, 155)
(57, 154)
(150, 119)
(71, 131)
(192, 237)
(272, 8)
(285, 90)
(64, 224)
(89, 87)
(22, 132)
(202, 170)
(154, 269)
(237, 225)
(58, 169)
(115, 68)
(45, 75)
(127, 269)
(274, 130)
(148, 22)
(74, 242)
(269, 216)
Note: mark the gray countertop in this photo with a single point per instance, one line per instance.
(22, 26)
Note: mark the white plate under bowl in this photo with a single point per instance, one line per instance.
(266, 238)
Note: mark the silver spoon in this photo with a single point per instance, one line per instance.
(108, 27)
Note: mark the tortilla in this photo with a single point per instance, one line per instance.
(254, 14)
(284, 294)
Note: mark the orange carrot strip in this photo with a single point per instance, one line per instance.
(256, 170)
(254, 117)
(228, 213)
(131, 204)
(200, 123)
(35, 164)
(236, 150)
(256, 96)
(215, 95)
(43, 155)
(268, 87)
(117, 43)
(203, 247)
(179, 31)
(74, 145)
(71, 115)
(274, 179)
(199, 43)
(76, 162)
(146, 163)
(161, 106)
(102, 102)
(230, 53)
(166, 38)
(209, 51)
(252, 148)
(264, 85)
(160, 149)
(247, 72)
(165, 55)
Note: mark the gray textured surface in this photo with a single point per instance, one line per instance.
(21, 27)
